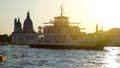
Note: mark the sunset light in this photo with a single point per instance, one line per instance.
(60, 33)
(102, 12)
(105, 13)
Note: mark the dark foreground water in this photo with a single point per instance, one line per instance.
(25, 57)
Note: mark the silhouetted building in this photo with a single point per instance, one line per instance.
(26, 35)
(96, 28)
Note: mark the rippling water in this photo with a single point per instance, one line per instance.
(25, 57)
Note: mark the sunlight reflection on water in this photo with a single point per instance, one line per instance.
(25, 57)
(112, 57)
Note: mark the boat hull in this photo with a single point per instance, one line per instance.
(54, 46)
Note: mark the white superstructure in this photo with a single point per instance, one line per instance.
(60, 32)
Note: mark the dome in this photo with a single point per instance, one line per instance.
(28, 25)
(28, 22)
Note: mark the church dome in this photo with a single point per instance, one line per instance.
(28, 25)
(28, 22)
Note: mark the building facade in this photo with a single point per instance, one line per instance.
(25, 35)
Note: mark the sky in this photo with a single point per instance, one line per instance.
(105, 13)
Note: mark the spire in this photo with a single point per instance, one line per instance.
(15, 20)
(96, 27)
(61, 10)
(19, 23)
(28, 14)
(18, 19)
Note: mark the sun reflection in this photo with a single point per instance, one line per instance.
(111, 58)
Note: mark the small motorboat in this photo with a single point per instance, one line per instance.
(2, 58)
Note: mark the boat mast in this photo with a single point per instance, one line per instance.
(61, 10)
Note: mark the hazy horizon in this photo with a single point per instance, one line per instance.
(105, 13)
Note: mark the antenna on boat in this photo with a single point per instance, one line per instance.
(62, 10)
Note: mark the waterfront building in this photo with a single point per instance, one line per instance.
(26, 35)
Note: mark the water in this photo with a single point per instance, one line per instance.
(25, 57)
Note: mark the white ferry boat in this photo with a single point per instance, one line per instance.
(61, 35)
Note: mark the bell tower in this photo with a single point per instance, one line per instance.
(96, 28)
(17, 26)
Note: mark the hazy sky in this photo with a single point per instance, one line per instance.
(106, 13)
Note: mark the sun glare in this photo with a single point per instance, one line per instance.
(111, 58)
(105, 13)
